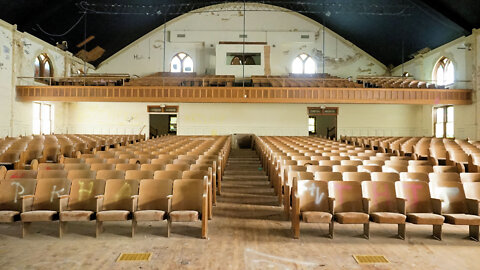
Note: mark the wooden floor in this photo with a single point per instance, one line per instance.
(247, 232)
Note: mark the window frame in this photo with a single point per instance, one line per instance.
(170, 123)
(41, 120)
(304, 61)
(41, 77)
(443, 121)
(182, 61)
(314, 125)
(444, 63)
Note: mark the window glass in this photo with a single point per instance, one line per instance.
(43, 68)
(439, 130)
(188, 64)
(297, 66)
(45, 117)
(303, 64)
(36, 118)
(176, 65)
(444, 122)
(309, 66)
(450, 115)
(449, 74)
(311, 124)
(181, 62)
(444, 72)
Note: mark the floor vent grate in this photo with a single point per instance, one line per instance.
(370, 259)
(134, 257)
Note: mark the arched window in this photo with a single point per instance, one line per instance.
(444, 72)
(303, 64)
(181, 62)
(43, 67)
(236, 61)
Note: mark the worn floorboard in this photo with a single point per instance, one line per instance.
(247, 232)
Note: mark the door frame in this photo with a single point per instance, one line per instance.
(162, 109)
(324, 111)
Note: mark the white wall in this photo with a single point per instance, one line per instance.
(466, 64)
(17, 55)
(261, 119)
(205, 28)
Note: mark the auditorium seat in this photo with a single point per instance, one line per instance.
(95, 160)
(76, 166)
(127, 167)
(420, 208)
(384, 206)
(369, 168)
(446, 176)
(190, 203)
(138, 175)
(356, 176)
(395, 168)
(318, 168)
(440, 169)
(153, 202)
(116, 161)
(102, 166)
(43, 205)
(11, 197)
(50, 166)
(385, 176)
(456, 208)
(374, 162)
(292, 172)
(51, 174)
(311, 204)
(69, 160)
(110, 174)
(348, 205)
(116, 204)
(177, 167)
(81, 203)
(78, 174)
(351, 163)
(396, 163)
(3, 172)
(344, 168)
(167, 175)
(328, 176)
(307, 162)
(152, 167)
(417, 176)
(419, 163)
(19, 174)
(470, 177)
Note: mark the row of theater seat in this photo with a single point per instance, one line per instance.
(465, 154)
(187, 80)
(78, 200)
(303, 168)
(283, 81)
(396, 82)
(191, 165)
(19, 152)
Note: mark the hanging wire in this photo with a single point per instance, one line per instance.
(61, 35)
(243, 47)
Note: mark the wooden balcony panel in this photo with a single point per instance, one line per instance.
(243, 95)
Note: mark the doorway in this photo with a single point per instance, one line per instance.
(162, 124)
(322, 122)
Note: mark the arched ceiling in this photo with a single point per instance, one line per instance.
(389, 30)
